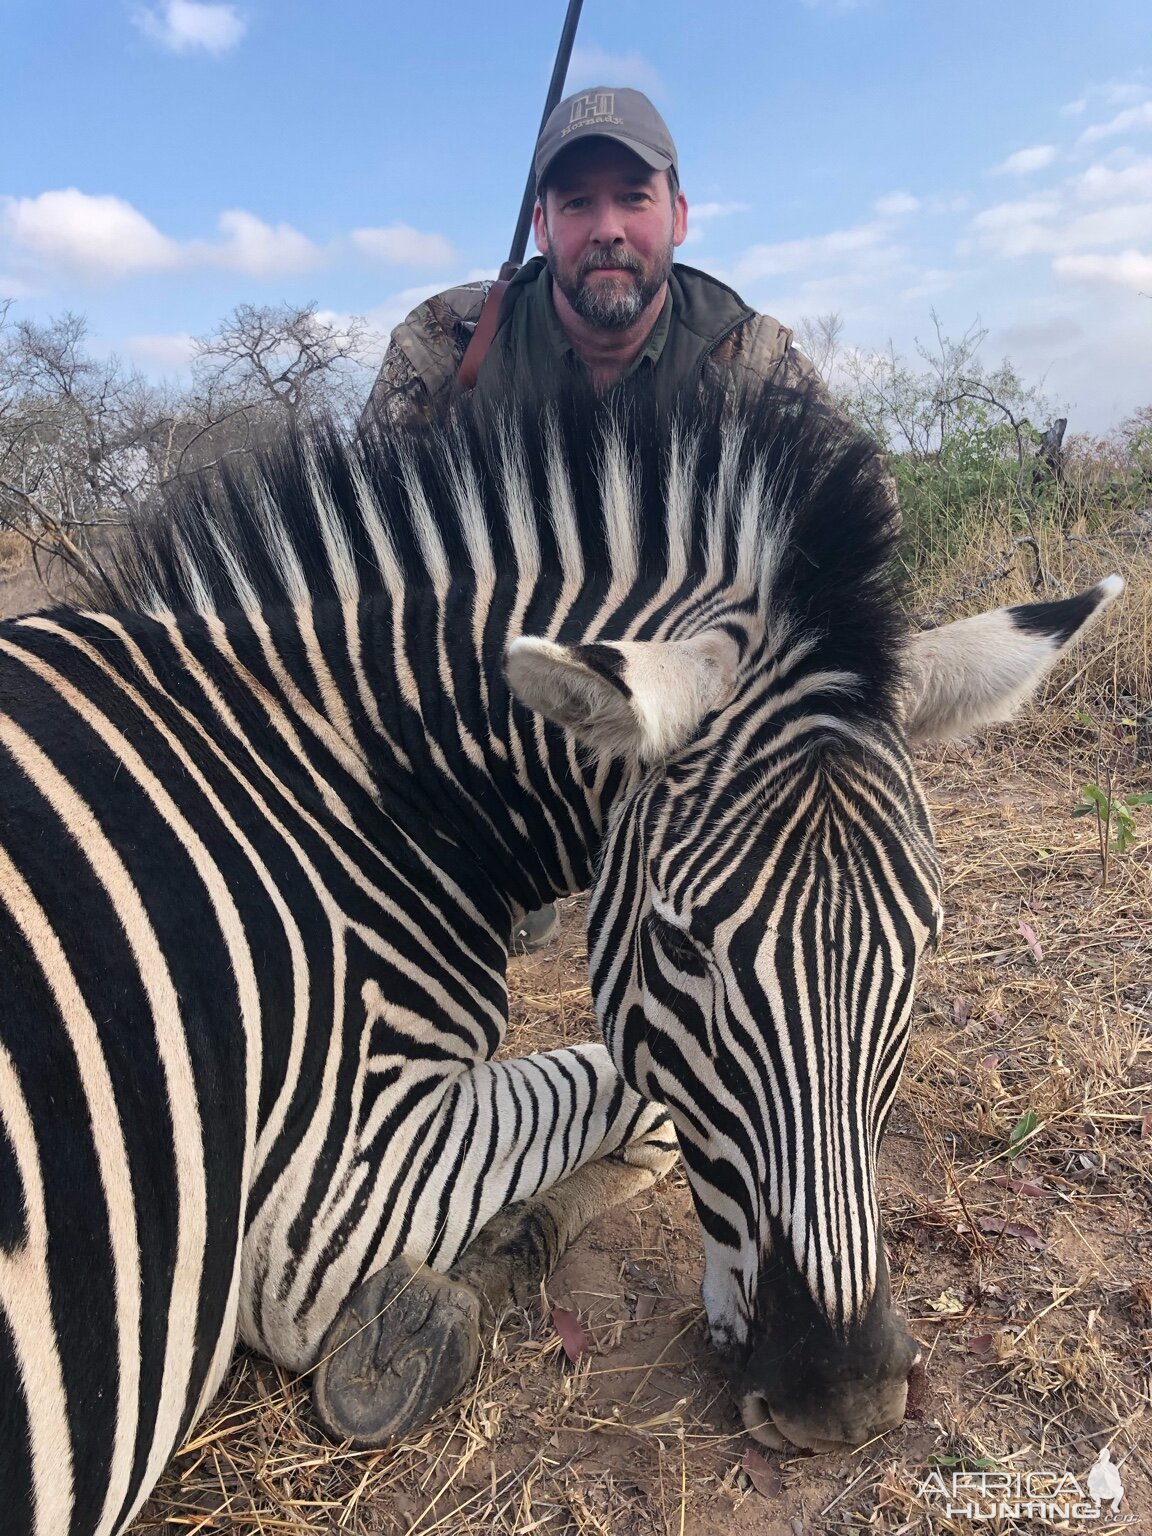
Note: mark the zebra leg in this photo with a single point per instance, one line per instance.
(508, 1260)
(408, 1339)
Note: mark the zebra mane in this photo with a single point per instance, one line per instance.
(774, 502)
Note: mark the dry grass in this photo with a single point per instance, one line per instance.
(1017, 1188)
(13, 550)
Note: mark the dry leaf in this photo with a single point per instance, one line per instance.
(572, 1335)
(961, 1010)
(948, 1304)
(980, 1343)
(1033, 1188)
(763, 1474)
(1028, 1235)
(645, 1306)
(1031, 940)
(1146, 1126)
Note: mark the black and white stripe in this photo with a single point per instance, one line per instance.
(271, 807)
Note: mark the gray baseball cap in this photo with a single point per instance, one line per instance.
(607, 112)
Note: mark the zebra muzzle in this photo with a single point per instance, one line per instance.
(809, 1384)
(857, 1415)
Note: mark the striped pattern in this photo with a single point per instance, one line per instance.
(767, 998)
(271, 811)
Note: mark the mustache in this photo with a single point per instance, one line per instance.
(626, 261)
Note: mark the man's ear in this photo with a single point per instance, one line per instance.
(540, 228)
(637, 699)
(679, 218)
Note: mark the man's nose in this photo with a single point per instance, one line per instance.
(608, 226)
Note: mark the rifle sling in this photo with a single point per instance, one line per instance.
(477, 348)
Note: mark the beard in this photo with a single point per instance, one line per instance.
(612, 306)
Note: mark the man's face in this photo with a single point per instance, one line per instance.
(608, 227)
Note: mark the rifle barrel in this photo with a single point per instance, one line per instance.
(556, 85)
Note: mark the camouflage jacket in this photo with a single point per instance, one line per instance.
(415, 381)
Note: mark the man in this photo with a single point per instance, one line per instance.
(604, 298)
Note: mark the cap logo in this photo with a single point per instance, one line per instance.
(593, 104)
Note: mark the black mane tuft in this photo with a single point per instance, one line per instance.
(304, 518)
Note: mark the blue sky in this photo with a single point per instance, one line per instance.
(162, 161)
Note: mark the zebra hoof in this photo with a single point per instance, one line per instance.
(534, 930)
(403, 1344)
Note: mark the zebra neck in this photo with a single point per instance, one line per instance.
(414, 694)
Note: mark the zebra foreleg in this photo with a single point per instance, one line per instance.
(506, 1263)
(408, 1339)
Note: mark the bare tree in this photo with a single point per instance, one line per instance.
(83, 441)
(86, 442)
(820, 338)
(948, 402)
(292, 360)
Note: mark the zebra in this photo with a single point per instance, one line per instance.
(275, 796)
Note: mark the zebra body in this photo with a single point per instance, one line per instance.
(270, 813)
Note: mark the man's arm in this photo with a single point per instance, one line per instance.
(761, 351)
(415, 381)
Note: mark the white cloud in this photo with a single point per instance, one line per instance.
(180, 26)
(401, 246)
(1101, 206)
(1075, 108)
(786, 256)
(1122, 93)
(591, 65)
(163, 354)
(1104, 183)
(957, 202)
(101, 237)
(1124, 122)
(262, 250)
(1025, 161)
(706, 211)
(702, 214)
(931, 282)
(1127, 269)
(894, 204)
(14, 287)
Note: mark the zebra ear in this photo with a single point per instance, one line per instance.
(979, 670)
(640, 699)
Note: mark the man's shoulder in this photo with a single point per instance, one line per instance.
(446, 317)
(424, 355)
(747, 342)
(696, 290)
(762, 342)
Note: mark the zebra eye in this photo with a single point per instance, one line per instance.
(675, 943)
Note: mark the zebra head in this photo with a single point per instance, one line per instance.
(767, 886)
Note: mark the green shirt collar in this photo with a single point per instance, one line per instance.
(547, 324)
